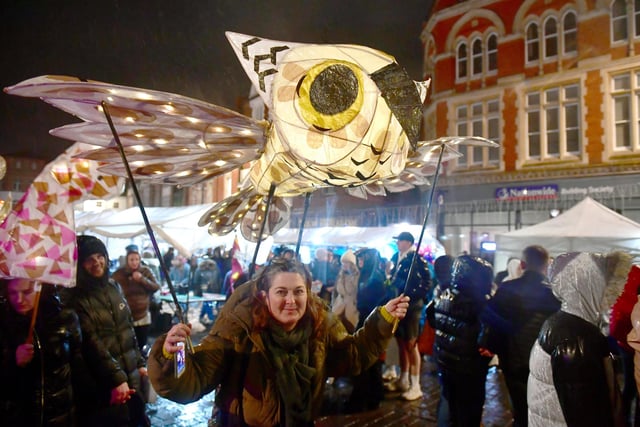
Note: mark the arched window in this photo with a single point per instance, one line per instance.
(636, 17)
(569, 33)
(476, 57)
(550, 37)
(492, 52)
(619, 20)
(462, 60)
(533, 42)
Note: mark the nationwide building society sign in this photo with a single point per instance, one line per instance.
(527, 193)
(549, 191)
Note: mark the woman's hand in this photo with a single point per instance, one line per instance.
(178, 333)
(397, 307)
(137, 276)
(24, 354)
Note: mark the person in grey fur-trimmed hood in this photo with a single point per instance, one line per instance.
(571, 378)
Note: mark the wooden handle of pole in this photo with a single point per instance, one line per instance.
(34, 313)
(396, 321)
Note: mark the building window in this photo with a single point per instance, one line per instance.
(178, 196)
(553, 125)
(636, 17)
(462, 129)
(18, 164)
(619, 20)
(493, 130)
(550, 38)
(461, 63)
(476, 57)
(478, 119)
(492, 53)
(16, 185)
(570, 33)
(533, 43)
(625, 93)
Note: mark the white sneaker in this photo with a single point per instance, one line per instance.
(390, 374)
(398, 385)
(413, 393)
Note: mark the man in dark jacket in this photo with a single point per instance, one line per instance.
(512, 321)
(36, 372)
(408, 330)
(110, 393)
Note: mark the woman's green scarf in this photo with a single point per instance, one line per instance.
(289, 353)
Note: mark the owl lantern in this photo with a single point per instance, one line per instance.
(340, 115)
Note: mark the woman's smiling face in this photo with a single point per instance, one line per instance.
(287, 299)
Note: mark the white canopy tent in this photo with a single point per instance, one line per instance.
(177, 226)
(587, 226)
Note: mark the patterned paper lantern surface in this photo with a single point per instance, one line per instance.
(341, 115)
(37, 237)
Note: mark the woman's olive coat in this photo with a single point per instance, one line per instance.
(233, 357)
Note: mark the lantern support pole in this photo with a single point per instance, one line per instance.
(178, 308)
(424, 226)
(272, 190)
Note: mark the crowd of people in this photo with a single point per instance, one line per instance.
(563, 331)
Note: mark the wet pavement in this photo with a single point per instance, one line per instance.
(393, 410)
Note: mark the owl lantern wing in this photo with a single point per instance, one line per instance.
(167, 138)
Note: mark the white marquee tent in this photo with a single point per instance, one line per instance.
(177, 226)
(587, 226)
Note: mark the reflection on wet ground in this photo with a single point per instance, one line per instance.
(393, 411)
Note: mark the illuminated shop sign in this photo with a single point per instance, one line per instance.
(550, 191)
(536, 192)
(586, 191)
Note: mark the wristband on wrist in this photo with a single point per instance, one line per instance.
(166, 354)
(385, 315)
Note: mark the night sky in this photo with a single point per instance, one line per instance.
(173, 46)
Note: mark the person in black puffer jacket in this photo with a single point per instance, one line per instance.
(37, 376)
(461, 368)
(109, 395)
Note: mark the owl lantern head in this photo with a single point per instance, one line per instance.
(326, 100)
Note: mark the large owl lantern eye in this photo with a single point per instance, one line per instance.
(330, 95)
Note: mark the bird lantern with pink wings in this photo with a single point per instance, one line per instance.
(37, 237)
(339, 115)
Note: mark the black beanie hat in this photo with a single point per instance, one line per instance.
(89, 245)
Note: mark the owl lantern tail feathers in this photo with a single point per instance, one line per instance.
(247, 208)
(420, 165)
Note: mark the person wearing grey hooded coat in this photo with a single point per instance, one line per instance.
(571, 379)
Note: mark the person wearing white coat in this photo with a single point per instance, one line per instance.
(571, 381)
